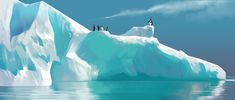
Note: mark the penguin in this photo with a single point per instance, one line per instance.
(98, 27)
(150, 22)
(93, 27)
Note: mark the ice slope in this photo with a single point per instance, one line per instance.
(40, 45)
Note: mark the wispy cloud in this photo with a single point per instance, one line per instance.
(172, 8)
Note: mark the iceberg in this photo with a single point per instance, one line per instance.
(39, 46)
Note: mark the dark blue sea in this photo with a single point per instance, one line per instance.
(125, 90)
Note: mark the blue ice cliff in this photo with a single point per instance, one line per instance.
(40, 45)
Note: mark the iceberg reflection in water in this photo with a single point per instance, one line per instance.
(121, 90)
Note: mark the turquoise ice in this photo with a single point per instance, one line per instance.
(22, 17)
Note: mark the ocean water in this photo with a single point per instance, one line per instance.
(125, 90)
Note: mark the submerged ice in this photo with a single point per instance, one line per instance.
(40, 45)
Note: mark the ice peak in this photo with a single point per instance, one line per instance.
(146, 31)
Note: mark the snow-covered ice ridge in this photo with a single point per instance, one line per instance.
(40, 45)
